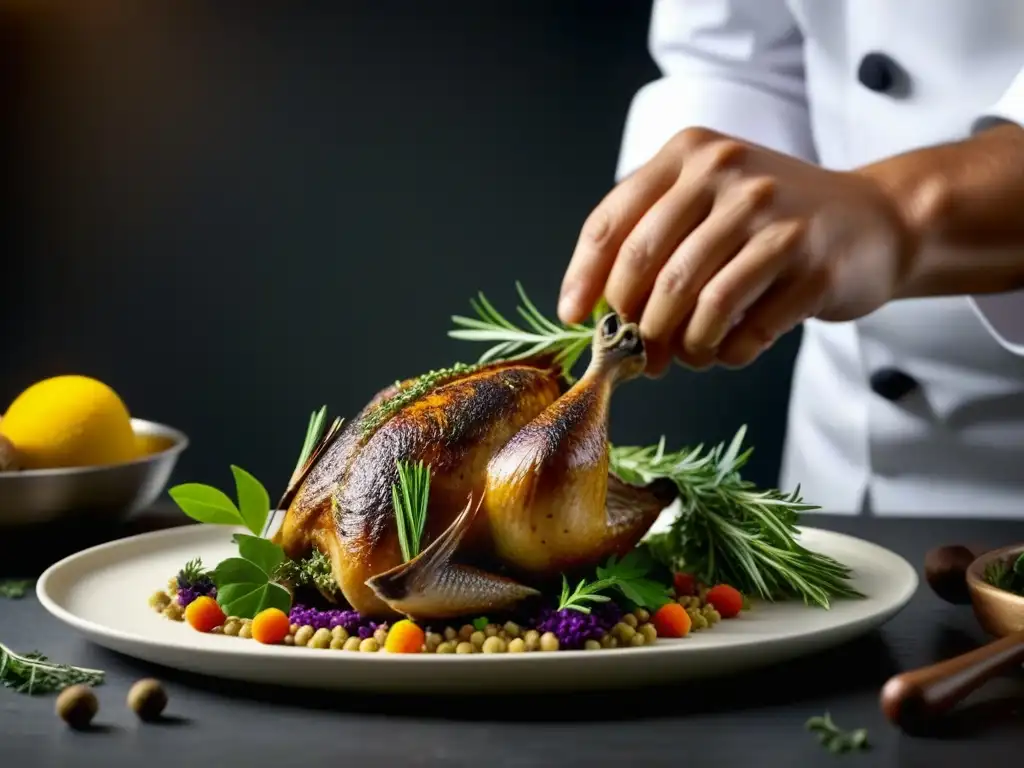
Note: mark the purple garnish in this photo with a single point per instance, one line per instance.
(573, 628)
(188, 594)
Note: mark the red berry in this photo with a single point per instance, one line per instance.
(684, 584)
(726, 600)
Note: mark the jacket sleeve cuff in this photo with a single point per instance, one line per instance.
(664, 107)
(1002, 314)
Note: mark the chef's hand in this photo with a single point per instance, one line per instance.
(719, 247)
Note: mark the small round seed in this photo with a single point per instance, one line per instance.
(337, 644)
(246, 630)
(448, 646)
(77, 706)
(147, 699)
(477, 639)
(303, 635)
(494, 644)
(466, 631)
(592, 645)
(231, 628)
(637, 640)
(320, 639)
(465, 647)
(532, 638)
(649, 631)
(642, 615)
(623, 632)
(339, 633)
(609, 641)
(512, 629)
(369, 645)
(548, 642)
(491, 630)
(289, 640)
(293, 628)
(517, 645)
(352, 644)
(630, 619)
(450, 633)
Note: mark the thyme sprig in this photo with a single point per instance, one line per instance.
(834, 738)
(513, 342)
(409, 497)
(34, 674)
(730, 532)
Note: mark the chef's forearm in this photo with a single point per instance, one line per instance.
(963, 205)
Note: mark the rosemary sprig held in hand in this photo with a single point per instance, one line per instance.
(541, 335)
(409, 497)
(33, 673)
(730, 532)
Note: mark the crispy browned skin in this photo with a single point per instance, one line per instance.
(455, 429)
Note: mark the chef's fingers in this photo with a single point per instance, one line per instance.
(738, 285)
(783, 307)
(698, 257)
(648, 247)
(603, 232)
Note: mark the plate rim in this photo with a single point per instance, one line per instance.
(93, 630)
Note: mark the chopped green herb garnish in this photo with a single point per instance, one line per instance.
(14, 588)
(33, 673)
(314, 571)
(480, 623)
(409, 497)
(1007, 575)
(834, 738)
(417, 388)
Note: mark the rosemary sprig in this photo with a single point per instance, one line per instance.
(585, 592)
(513, 342)
(834, 738)
(14, 589)
(730, 532)
(314, 431)
(409, 497)
(33, 673)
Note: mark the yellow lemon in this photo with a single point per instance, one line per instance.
(69, 421)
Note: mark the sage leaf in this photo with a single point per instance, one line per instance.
(253, 500)
(246, 599)
(263, 553)
(205, 504)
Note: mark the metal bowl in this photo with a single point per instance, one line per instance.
(104, 493)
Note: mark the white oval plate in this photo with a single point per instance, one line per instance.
(103, 592)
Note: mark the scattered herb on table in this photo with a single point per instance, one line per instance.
(14, 589)
(409, 497)
(727, 531)
(33, 673)
(628, 576)
(1007, 575)
(835, 739)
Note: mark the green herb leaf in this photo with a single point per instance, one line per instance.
(193, 572)
(247, 599)
(34, 674)
(314, 430)
(730, 532)
(206, 504)
(835, 739)
(263, 553)
(480, 623)
(14, 589)
(410, 496)
(253, 500)
(245, 588)
(628, 575)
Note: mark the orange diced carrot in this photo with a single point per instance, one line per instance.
(404, 637)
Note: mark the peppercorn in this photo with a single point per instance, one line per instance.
(147, 699)
(77, 706)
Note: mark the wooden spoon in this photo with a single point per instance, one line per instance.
(912, 700)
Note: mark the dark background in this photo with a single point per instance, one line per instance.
(234, 212)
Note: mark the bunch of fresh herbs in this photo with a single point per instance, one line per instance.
(628, 576)
(1007, 574)
(34, 674)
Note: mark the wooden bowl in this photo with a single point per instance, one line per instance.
(1000, 613)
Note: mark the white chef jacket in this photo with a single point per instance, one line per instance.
(844, 83)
